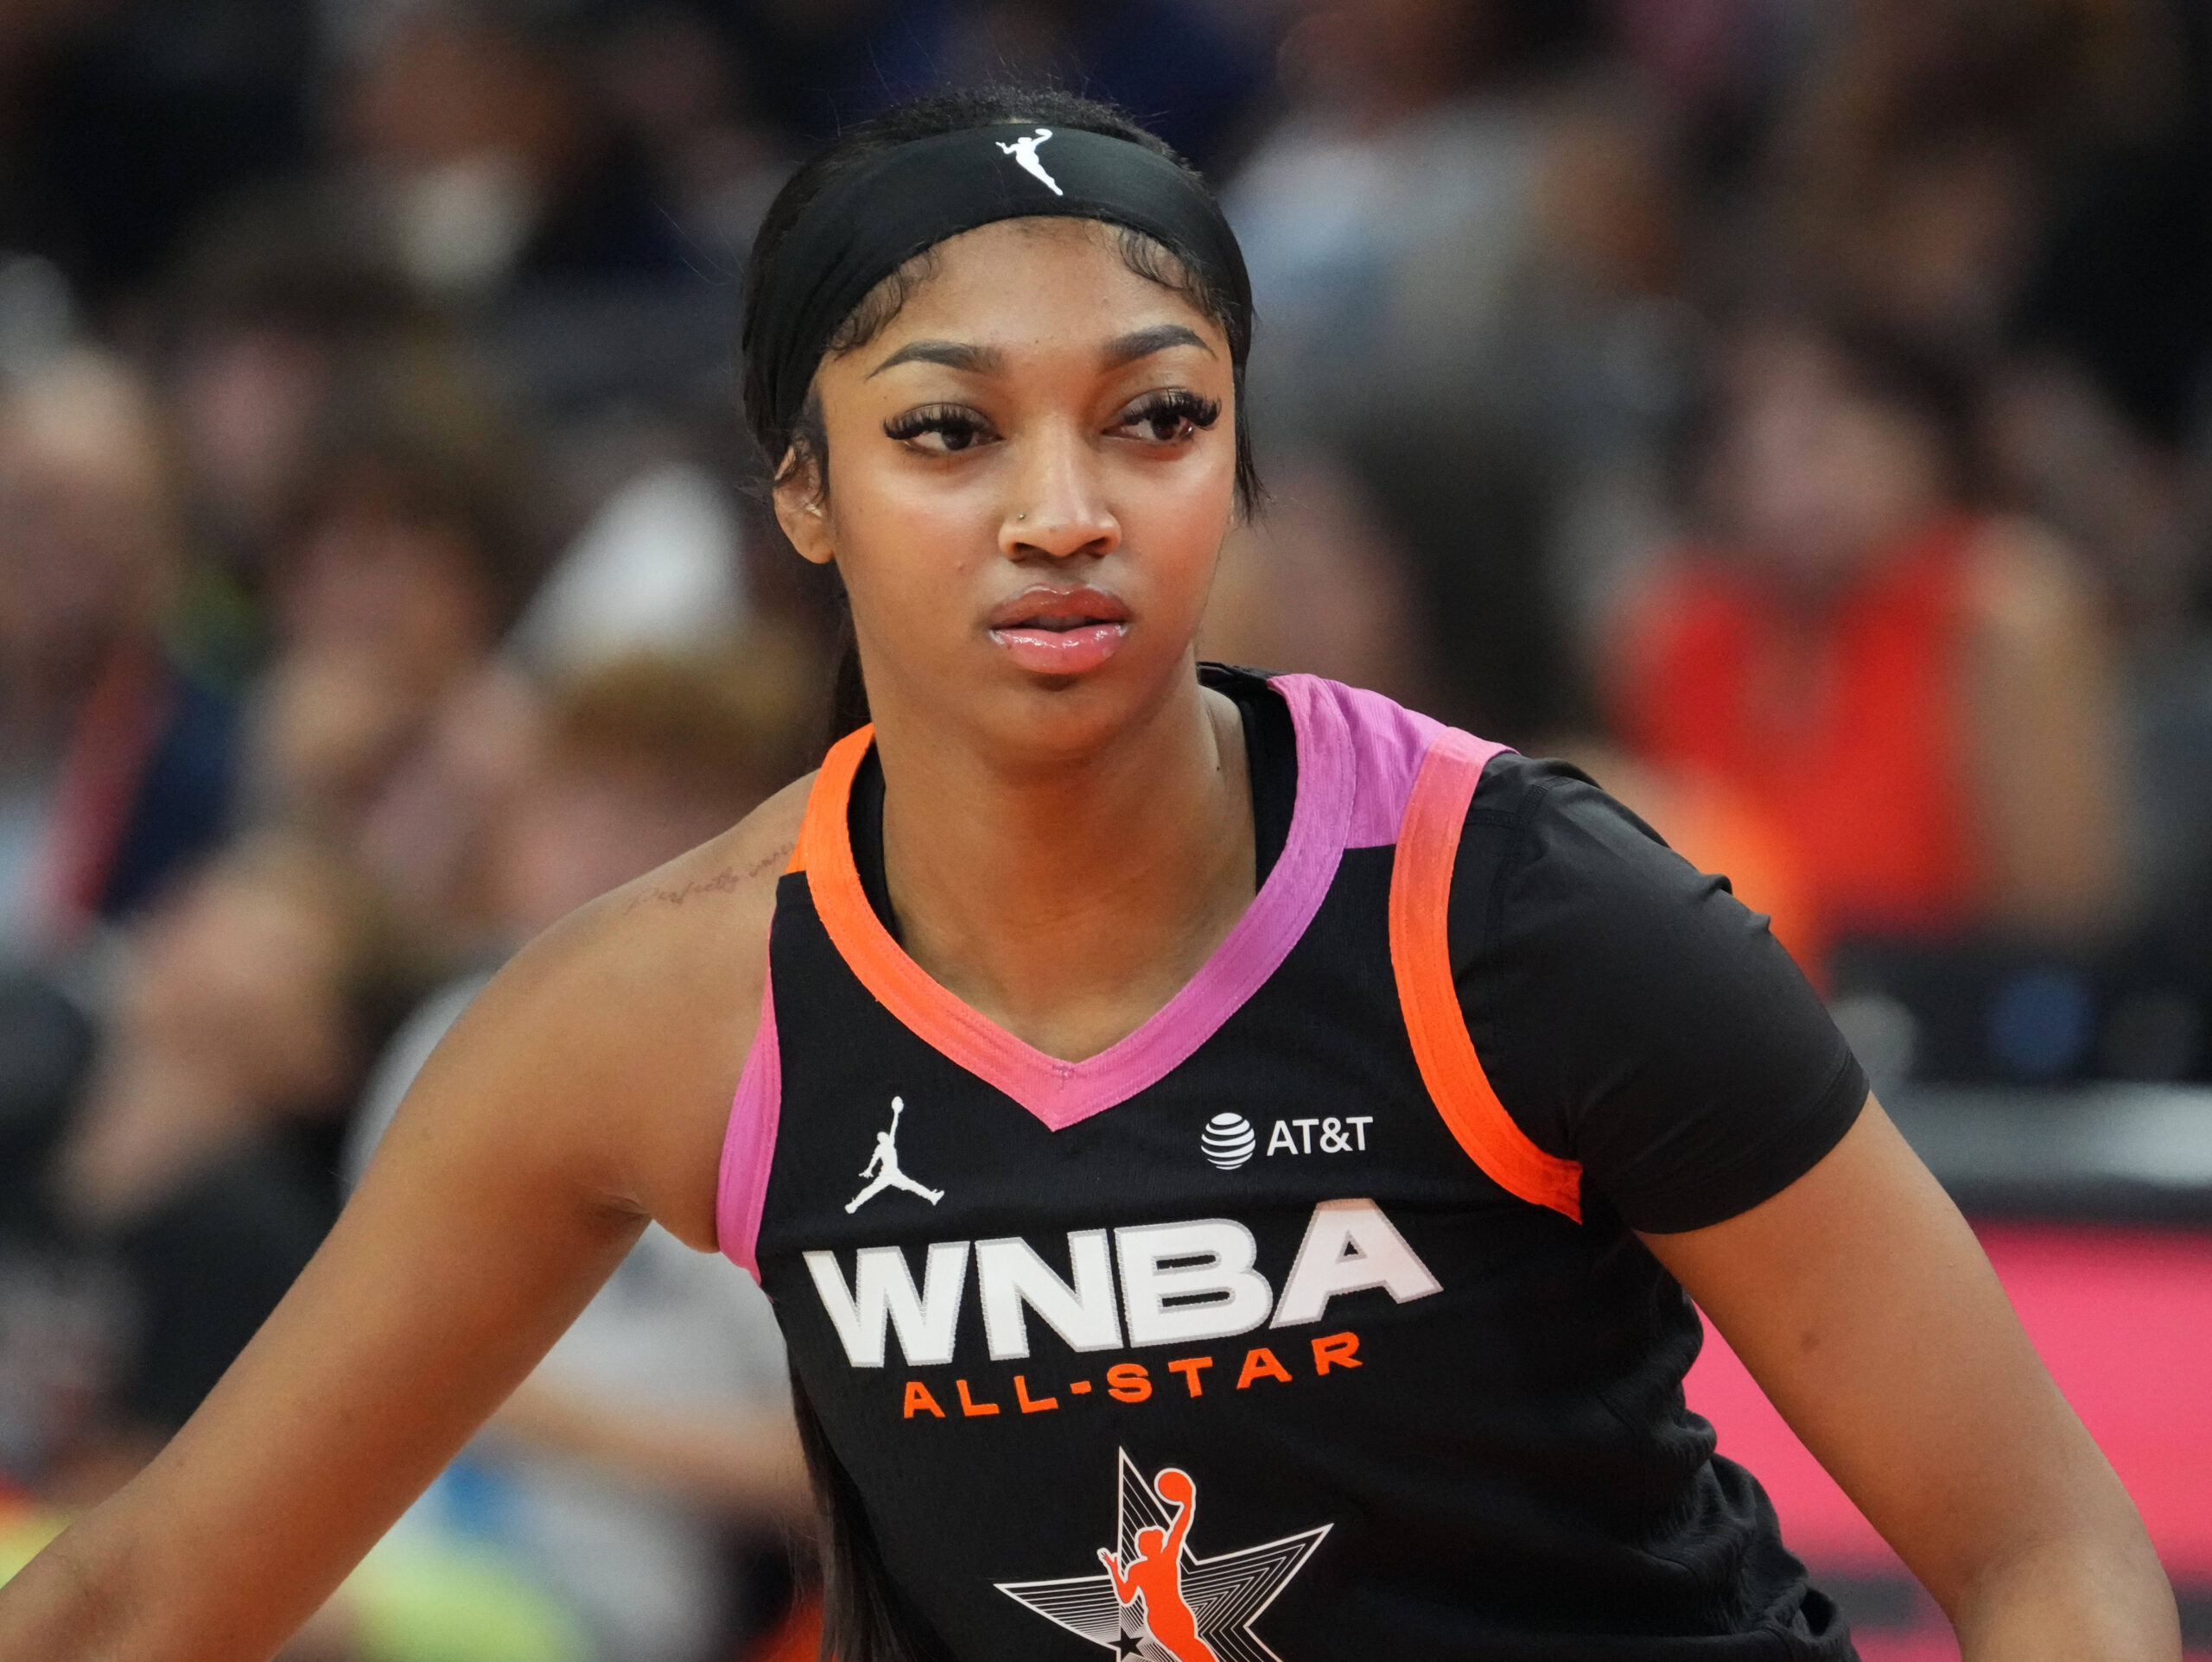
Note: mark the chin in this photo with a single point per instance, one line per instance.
(1053, 718)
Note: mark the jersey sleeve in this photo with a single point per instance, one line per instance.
(1632, 1014)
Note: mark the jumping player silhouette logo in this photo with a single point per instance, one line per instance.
(1156, 1574)
(882, 1169)
(1159, 1601)
(1024, 152)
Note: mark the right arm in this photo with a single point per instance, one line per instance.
(583, 1092)
(1125, 1589)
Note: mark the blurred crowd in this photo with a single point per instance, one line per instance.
(1793, 411)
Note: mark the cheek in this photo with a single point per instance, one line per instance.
(909, 547)
(1173, 521)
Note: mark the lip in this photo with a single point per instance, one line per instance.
(1059, 632)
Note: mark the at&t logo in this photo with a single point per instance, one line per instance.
(1227, 1141)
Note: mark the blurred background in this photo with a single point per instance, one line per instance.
(1795, 411)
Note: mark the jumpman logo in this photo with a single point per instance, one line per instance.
(1024, 151)
(883, 1167)
(1154, 1573)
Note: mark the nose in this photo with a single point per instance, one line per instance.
(1057, 505)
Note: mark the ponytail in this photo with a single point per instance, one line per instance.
(865, 1616)
(848, 711)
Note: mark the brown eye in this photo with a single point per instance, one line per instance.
(938, 429)
(1169, 417)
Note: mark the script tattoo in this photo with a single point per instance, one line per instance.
(723, 882)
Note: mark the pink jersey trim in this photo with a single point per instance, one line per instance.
(749, 1144)
(1062, 1093)
(1390, 743)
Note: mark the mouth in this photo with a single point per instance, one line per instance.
(1059, 632)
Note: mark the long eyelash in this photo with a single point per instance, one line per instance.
(1200, 413)
(933, 418)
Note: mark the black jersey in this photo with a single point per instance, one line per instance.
(1270, 1332)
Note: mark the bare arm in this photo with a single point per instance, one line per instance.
(1865, 1308)
(583, 1092)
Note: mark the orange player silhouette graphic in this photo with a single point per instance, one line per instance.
(1156, 1571)
(1193, 1609)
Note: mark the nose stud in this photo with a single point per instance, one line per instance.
(1022, 516)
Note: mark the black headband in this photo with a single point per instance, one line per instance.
(863, 228)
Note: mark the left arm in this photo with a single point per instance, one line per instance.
(1634, 1017)
(1865, 1308)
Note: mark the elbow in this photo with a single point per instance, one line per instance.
(2091, 1593)
(74, 1603)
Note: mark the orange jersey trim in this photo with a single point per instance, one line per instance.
(939, 1018)
(826, 855)
(1421, 957)
(823, 831)
(1060, 1092)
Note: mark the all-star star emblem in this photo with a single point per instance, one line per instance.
(1159, 1600)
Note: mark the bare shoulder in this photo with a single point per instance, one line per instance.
(619, 1034)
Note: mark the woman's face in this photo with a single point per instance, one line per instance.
(1031, 472)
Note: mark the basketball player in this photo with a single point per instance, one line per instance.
(882, 1168)
(1155, 1574)
(1516, 1078)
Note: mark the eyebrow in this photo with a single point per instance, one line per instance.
(1142, 343)
(987, 360)
(953, 354)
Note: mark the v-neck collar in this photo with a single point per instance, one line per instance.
(1061, 1093)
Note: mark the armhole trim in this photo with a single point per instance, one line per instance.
(1421, 958)
(749, 1144)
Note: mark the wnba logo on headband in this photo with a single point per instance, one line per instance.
(1024, 151)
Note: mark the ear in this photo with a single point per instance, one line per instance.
(802, 510)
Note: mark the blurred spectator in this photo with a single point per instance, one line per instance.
(200, 1157)
(1193, 68)
(115, 765)
(659, 568)
(473, 125)
(1916, 697)
(641, 760)
(1459, 235)
(123, 121)
(384, 722)
(1914, 170)
(660, 1421)
(282, 301)
(60, 1316)
(2100, 424)
(674, 82)
(1312, 584)
(2121, 273)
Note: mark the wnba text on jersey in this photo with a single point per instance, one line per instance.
(1177, 1284)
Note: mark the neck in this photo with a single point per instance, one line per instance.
(1070, 901)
